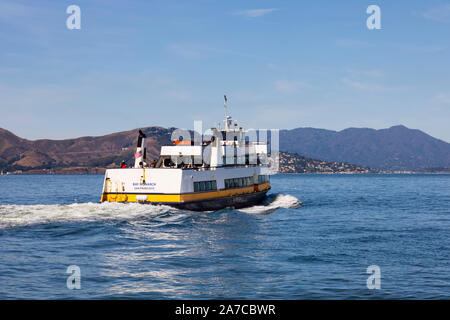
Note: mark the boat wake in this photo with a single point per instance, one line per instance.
(24, 215)
(274, 202)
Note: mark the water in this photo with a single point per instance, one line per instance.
(278, 250)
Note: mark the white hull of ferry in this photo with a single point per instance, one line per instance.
(191, 189)
(226, 170)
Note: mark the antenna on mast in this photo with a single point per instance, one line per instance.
(227, 118)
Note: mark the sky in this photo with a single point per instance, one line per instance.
(282, 64)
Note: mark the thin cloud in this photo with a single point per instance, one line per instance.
(272, 66)
(373, 73)
(443, 98)
(346, 43)
(9, 11)
(420, 48)
(179, 95)
(192, 50)
(290, 86)
(185, 50)
(439, 14)
(254, 13)
(365, 86)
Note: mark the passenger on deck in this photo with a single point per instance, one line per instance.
(123, 164)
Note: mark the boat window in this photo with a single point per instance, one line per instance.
(263, 178)
(238, 182)
(201, 186)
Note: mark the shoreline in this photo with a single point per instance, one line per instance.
(281, 173)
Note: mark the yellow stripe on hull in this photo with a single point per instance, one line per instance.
(181, 198)
(114, 197)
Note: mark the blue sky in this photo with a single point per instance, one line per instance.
(282, 64)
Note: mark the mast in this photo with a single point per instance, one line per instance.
(227, 117)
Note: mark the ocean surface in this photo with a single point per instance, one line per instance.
(279, 250)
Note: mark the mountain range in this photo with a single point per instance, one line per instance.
(104, 151)
(396, 148)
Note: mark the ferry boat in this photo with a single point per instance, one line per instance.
(227, 170)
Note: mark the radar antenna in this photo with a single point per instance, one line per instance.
(227, 117)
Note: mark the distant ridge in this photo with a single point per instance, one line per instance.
(88, 152)
(352, 150)
(395, 148)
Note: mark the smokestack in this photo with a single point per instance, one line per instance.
(140, 154)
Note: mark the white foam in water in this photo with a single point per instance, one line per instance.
(21, 215)
(274, 202)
